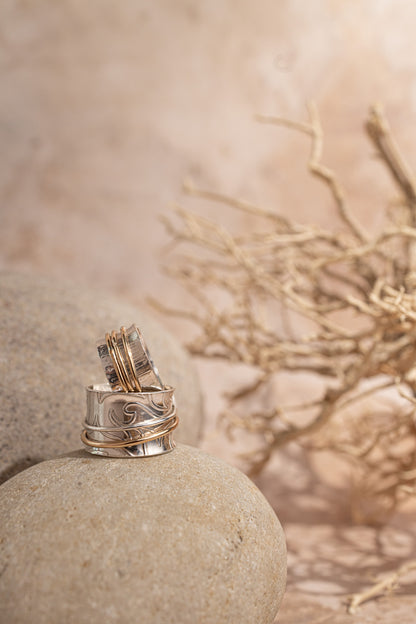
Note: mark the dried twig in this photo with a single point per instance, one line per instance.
(354, 299)
(381, 587)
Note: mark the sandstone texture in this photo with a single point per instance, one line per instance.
(181, 538)
(48, 355)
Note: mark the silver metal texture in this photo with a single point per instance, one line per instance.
(127, 362)
(129, 424)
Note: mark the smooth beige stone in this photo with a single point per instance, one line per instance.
(181, 538)
(48, 355)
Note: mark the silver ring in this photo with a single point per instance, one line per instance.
(132, 424)
(127, 362)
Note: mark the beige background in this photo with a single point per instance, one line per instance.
(105, 107)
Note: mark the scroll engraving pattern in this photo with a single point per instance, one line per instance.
(134, 420)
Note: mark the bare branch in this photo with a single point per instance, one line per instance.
(384, 586)
(336, 306)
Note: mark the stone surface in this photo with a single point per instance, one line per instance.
(47, 334)
(182, 538)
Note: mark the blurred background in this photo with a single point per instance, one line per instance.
(107, 107)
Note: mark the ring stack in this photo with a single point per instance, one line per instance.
(133, 415)
(127, 362)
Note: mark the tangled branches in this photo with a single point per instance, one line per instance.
(336, 304)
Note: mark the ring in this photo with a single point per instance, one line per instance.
(127, 362)
(133, 424)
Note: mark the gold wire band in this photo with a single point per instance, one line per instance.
(120, 361)
(113, 358)
(129, 355)
(158, 434)
(113, 350)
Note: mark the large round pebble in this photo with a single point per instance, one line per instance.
(181, 538)
(48, 355)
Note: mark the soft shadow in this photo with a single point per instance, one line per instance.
(18, 466)
(328, 556)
